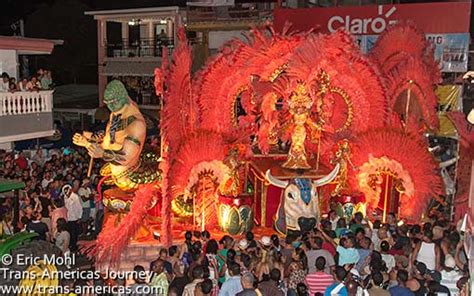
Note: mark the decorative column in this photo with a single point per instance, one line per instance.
(151, 42)
(102, 54)
(125, 35)
(205, 44)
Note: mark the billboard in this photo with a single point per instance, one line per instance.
(446, 25)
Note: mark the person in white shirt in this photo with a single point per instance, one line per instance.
(450, 275)
(85, 193)
(23, 85)
(387, 258)
(46, 179)
(39, 158)
(4, 82)
(74, 213)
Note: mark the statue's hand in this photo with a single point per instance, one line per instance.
(80, 140)
(95, 151)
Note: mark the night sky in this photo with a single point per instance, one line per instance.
(76, 60)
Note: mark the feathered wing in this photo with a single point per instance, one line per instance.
(202, 146)
(356, 92)
(116, 235)
(463, 128)
(406, 156)
(398, 43)
(410, 88)
(179, 116)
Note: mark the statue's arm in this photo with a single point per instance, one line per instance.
(132, 146)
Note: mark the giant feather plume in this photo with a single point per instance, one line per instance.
(409, 151)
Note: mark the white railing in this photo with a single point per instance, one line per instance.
(26, 102)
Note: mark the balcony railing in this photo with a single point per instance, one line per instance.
(26, 115)
(139, 48)
(226, 14)
(18, 103)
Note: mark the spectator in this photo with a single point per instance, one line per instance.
(74, 214)
(46, 80)
(400, 289)
(450, 275)
(364, 252)
(319, 280)
(85, 194)
(387, 258)
(23, 84)
(427, 252)
(232, 285)
(316, 252)
(204, 288)
(347, 253)
(434, 284)
(6, 227)
(46, 205)
(338, 288)
(297, 270)
(272, 286)
(198, 277)
(357, 222)
(248, 282)
(47, 179)
(21, 161)
(180, 279)
(33, 84)
(35, 225)
(5, 82)
(39, 159)
(59, 212)
(377, 285)
(139, 276)
(12, 87)
(159, 278)
(62, 236)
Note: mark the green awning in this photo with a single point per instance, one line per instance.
(9, 185)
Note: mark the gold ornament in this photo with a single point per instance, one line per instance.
(300, 104)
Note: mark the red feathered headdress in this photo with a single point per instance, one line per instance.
(406, 156)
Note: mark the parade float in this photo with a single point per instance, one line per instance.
(272, 132)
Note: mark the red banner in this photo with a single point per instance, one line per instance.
(440, 18)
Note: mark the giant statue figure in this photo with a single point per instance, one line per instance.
(123, 141)
(299, 205)
(126, 167)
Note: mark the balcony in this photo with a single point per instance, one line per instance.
(227, 14)
(140, 48)
(25, 115)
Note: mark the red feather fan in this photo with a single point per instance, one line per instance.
(412, 154)
(464, 129)
(115, 236)
(349, 71)
(202, 146)
(180, 112)
(398, 43)
(423, 99)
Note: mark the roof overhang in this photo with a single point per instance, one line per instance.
(28, 45)
(101, 14)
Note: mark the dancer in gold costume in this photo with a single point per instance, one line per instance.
(300, 104)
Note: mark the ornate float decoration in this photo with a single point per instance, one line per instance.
(132, 172)
(337, 110)
(299, 205)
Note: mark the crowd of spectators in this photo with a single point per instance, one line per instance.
(59, 200)
(357, 258)
(339, 257)
(42, 80)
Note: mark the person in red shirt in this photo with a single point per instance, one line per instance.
(21, 161)
(318, 281)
